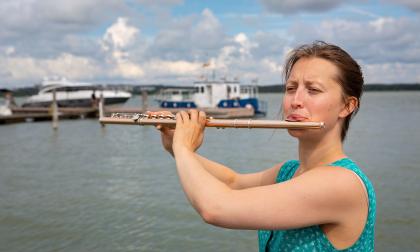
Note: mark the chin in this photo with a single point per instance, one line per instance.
(297, 132)
(302, 134)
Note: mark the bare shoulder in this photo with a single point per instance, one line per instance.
(323, 195)
(339, 184)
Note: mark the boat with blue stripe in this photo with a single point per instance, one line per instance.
(213, 94)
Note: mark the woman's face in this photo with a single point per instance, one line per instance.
(313, 94)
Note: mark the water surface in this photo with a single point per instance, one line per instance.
(84, 188)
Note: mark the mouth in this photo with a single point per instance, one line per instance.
(295, 118)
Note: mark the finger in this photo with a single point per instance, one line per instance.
(166, 112)
(185, 116)
(159, 113)
(202, 118)
(179, 119)
(164, 130)
(194, 115)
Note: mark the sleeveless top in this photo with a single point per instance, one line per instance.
(312, 238)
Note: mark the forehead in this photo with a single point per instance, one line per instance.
(314, 68)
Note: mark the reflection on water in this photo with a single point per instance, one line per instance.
(87, 188)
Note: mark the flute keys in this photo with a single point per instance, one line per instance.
(136, 117)
(139, 116)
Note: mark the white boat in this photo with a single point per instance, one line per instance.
(213, 94)
(7, 103)
(74, 94)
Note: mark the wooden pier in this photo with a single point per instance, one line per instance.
(20, 114)
(29, 114)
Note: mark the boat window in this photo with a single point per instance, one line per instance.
(202, 89)
(60, 89)
(186, 95)
(228, 89)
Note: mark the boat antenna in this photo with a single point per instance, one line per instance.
(205, 65)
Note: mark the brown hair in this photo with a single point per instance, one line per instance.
(350, 76)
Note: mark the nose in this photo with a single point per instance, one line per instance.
(298, 99)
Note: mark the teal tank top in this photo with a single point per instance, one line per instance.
(312, 238)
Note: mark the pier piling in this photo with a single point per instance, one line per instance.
(54, 111)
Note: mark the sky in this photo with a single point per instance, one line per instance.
(169, 41)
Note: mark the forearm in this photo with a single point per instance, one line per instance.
(219, 171)
(202, 189)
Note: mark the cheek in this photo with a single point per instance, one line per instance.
(330, 111)
(285, 105)
(322, 110)
(331, 107)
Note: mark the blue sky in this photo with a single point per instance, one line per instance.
(167, 41)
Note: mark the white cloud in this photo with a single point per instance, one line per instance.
(119, 45)
(117, 38)
(127, 70)
(195, 37)
(120, 35)
(392, 72)
(245, 44)
(381, 23)
(386, 46)
(273, 66)
(379, 41)
(66, 65)
(160, 2)
(9, 50)
(50, 17)
(414, 5)
(157, 67)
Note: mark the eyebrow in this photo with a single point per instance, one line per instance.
(308, 82)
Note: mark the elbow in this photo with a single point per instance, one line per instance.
(211, 214)
(214, 209)
(208, 215)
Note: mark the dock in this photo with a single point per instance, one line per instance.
(32, 114)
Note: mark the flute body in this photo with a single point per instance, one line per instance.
(218, 123)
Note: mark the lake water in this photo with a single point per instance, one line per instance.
(84, 188)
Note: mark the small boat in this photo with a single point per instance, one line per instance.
(8, 102)
(213, 94)
(74, 94)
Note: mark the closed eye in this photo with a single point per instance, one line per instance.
(290, 89)
(313, 90)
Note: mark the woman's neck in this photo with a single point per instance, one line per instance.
(318, 153)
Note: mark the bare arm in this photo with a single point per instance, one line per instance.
(223, 173)
(320, 196)
(325, 195)
(238, 180)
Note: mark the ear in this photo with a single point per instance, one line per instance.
(351, 103)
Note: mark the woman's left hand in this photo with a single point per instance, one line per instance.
(189, 131)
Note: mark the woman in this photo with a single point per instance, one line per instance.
(321, 202)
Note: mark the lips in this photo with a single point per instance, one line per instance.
(295, 118)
